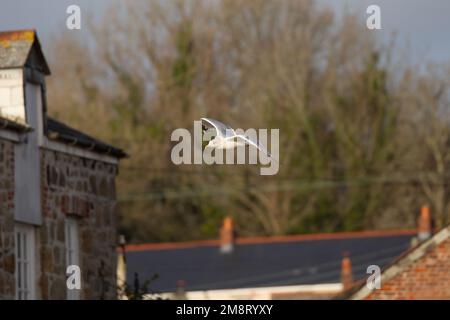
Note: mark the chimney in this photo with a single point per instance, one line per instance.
(23, 69)
(227, 236)
(424, 224)
(346, 272)
(180, 291)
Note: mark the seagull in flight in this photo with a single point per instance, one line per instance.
(227, 138)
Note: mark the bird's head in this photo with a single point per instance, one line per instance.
(213, 143)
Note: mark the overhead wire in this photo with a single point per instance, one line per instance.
(296, 272)
(282, 185)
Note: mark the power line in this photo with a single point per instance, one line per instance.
(319, 276)
(282, 185)
(293, 272)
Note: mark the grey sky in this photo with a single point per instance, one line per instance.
(422, 27)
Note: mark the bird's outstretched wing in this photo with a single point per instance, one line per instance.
(256, 144)
(222, 129)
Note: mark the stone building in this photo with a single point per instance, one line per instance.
(57, 189)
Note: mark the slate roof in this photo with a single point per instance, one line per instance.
(295, 260)
(59, 131)
(15, 48)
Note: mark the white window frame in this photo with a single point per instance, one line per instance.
(25, 253)
(72, 252)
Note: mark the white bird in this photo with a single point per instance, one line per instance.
(227, 138)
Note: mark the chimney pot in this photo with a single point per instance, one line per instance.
(180, 292)
(424, 224)
(227, 235)
(346, 272)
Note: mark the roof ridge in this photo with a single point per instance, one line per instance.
(360, 291)
(271, 239)
(17, 35)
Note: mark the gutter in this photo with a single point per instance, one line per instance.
(12, 125)
(91, 146)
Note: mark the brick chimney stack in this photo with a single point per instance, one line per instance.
(424, 225)
(227, 236)
(346, 272)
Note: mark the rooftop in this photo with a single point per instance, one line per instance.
(15, 49)
(263, 261)
(59, 131)
(12, 125)
(402, 263)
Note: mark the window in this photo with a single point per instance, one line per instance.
(25, 262)
(72, 252)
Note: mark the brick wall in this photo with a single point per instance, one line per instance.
(7, 262)
(85, 190)
(426, 278)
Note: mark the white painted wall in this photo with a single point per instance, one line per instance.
(262, 293)
(12, 103)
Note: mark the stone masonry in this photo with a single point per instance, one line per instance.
(85, 190)
(71, 186)
(7, 262)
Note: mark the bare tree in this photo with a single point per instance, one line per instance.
(348, 157)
